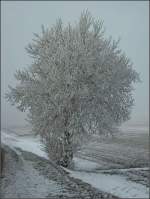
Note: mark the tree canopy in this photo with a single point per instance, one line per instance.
(78, 83)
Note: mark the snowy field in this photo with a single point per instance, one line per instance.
(127, 149)
(118, 166)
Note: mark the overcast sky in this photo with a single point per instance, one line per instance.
(19, 20)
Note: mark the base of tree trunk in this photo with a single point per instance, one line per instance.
(66, 160)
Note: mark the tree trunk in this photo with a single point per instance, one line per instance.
(2, 154)
(67, 155)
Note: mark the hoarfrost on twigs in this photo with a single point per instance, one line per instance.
(80, 83)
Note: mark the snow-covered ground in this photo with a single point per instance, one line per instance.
(85, 165)
(116, 184)
(28, 183)
(26, 143)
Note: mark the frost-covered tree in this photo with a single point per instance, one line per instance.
(79, 83)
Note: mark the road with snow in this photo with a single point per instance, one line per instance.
(114, 181)
(28, 173)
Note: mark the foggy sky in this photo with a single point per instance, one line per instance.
(19, 20)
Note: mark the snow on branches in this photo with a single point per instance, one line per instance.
(79, 83)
